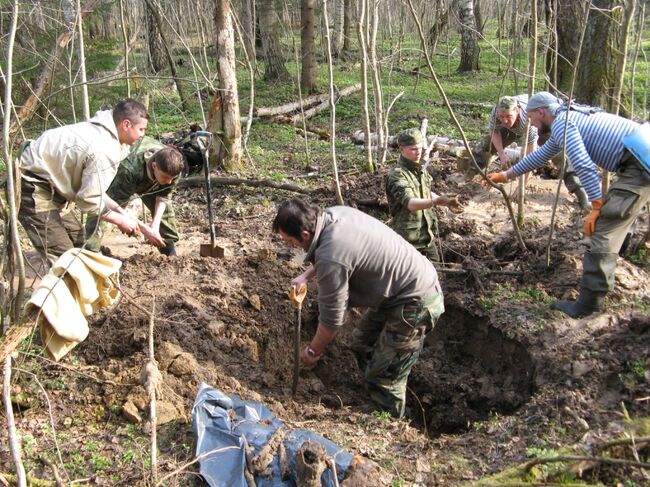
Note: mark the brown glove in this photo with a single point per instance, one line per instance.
(590, 221)
(297, 297)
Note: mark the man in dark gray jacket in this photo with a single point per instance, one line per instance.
(360, 262)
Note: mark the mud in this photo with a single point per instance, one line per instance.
(496, 375)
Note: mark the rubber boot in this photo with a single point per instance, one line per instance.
(169, 250)
(583, 201)
(587, 303)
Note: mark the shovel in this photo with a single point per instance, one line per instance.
(211, 249)
(296, 299)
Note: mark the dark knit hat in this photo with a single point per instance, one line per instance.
(409, 137)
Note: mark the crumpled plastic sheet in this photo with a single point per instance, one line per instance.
(225, 423)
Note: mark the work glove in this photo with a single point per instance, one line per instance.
(590, 221)
(296, 296)
(495, 177)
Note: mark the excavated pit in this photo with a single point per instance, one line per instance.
(468, 371)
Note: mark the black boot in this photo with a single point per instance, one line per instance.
(587, 303)
(168, 250)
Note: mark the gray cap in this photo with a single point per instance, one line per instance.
(410, 137)
(543, 99)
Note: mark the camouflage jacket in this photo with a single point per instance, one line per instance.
(405, 181)
(135, 174)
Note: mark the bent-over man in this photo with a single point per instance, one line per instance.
(593, 139)
(151, 172)
(75, 164)
(360, 262)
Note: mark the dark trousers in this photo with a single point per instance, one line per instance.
(50, 225)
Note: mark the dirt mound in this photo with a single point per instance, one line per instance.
(500, 376)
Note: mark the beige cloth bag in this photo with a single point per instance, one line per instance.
(77, 285)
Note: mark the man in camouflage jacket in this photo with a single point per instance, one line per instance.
(410, 199)
(151, 171)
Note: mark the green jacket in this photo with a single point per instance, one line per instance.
(405, 181)
(135, 174)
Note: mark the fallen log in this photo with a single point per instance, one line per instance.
(276, 112)
(445, 145)
(290, 107)
(256, 183)
(447, 270)
(16, 334)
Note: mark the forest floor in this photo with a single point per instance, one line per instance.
(502, 379)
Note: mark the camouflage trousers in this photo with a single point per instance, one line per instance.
(387, 343)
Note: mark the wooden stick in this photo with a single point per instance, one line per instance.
(151, 383)
(12, 436)
(224, 181)
(576, 458)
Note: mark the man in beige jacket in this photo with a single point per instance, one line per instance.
(76, 164)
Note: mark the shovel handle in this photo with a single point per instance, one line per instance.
(297, 297)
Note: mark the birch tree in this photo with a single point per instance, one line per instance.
(307, 46)
(225, 120)
(469, 49)
(274, 70)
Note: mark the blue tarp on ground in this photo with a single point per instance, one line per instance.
(224, 423)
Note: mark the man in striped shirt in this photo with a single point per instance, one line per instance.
(593, 139)
(507, 125)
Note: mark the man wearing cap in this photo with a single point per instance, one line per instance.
(360, 262)
(593, 139)
(507, 125)
(410, 199)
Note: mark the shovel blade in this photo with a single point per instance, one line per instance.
(210, 250)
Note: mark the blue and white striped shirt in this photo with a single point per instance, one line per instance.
(520, 124)
(592, 140)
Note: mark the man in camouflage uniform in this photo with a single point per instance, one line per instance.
(360, 262)
(151, 171)
(410, 199)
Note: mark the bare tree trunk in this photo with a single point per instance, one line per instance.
(339, 196)
(639, 35)
(337, 36)
(362, 33)
(126, 49)
(532, 68)
(275, 69)
(248, 24)
(348, 21)
(376, 78)
(155, 43)
(225, 121)
(469, 48)
(307, 46)
(82, 65)
(438, 27)
(597, 69)
(479, 16)
(155, 10)
(622, 54)
(570, 17)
